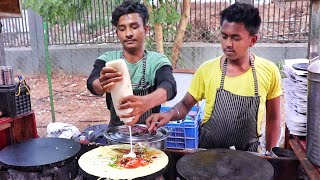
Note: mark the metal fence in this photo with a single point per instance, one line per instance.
(281, 22)
(15, 31)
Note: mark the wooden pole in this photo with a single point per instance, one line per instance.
(178, 40)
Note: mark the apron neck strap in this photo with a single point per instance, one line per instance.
(224, 71)
(142, 83)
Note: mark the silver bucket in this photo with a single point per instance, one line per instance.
(313, 113)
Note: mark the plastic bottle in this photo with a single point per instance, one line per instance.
(122, 88)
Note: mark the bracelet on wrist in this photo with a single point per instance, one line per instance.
(268, 153)
(176, 112)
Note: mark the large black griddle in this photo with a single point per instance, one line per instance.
(39, 154)
(224, 164)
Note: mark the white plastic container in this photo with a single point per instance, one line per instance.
(122, 88)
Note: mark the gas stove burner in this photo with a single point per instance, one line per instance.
(67, 172)
(139, 134)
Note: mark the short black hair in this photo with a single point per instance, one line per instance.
(242, 13)
(128, 7)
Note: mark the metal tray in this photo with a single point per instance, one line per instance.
(116, 134)
(301, 66)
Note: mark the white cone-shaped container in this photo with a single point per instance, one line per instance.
(122, 88)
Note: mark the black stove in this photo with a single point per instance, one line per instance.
(41, 159)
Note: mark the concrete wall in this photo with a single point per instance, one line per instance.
(79, 59)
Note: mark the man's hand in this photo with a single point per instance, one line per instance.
(108, 77)
(157, 120)
(139, 104)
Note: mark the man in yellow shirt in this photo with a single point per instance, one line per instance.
(239, 88)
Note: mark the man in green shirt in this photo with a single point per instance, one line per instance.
(150, 72)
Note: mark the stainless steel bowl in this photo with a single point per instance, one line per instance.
(156, 139)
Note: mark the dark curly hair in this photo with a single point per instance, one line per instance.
(242, 13)
(128, 7)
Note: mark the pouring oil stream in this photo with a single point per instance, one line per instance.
(131, 153)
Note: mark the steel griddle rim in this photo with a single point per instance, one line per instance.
(39, 154)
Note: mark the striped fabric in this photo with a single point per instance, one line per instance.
(142, 91)
(233, 121)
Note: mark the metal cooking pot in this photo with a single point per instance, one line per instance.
(140, 135)
(285, 163)
(313, 113)
(281, 152)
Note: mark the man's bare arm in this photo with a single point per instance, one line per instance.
(273, 119)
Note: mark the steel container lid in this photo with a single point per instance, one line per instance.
(314, 67)
(139, 134)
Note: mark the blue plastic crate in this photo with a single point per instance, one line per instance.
(184, 134)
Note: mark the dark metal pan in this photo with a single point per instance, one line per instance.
(285, 163)
(281, 152)
(39, 154)
(224, 164)
(301, 66)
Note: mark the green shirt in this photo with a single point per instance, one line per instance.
(154, 61)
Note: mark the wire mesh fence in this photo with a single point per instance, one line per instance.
(281, 22)
(74, 47)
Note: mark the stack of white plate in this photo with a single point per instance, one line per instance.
(295, 93)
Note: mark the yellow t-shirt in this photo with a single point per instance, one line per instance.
(206, 81)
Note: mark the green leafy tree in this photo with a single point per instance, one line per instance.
(163, 18)
(55, 12)
(165, 14)
(58, 11)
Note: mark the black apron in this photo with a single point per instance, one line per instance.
(141, 89)
(233, 121)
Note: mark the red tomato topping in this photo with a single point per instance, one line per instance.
(136, 162)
